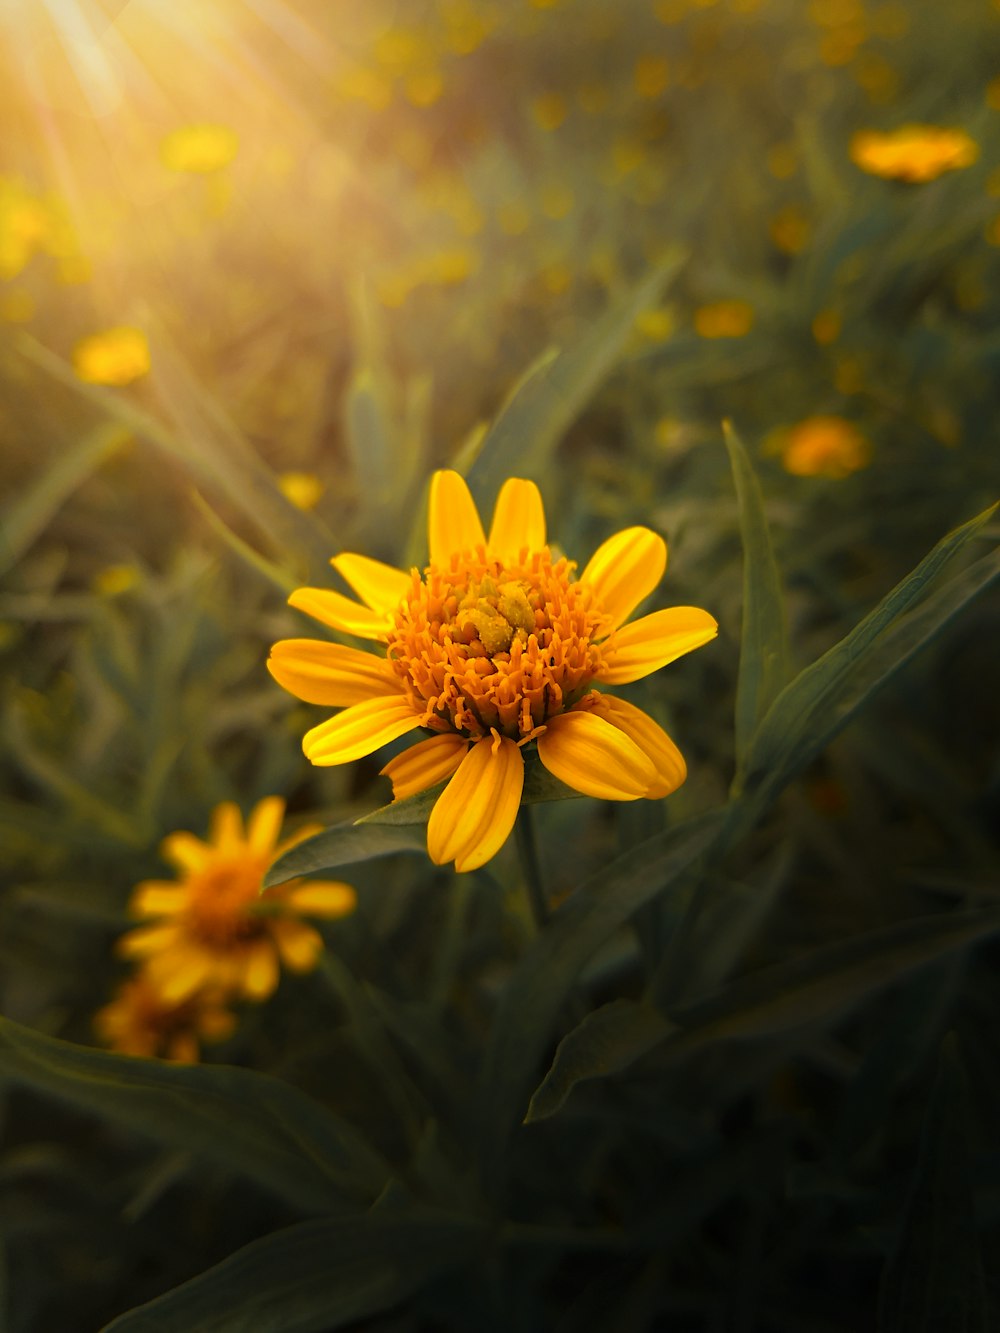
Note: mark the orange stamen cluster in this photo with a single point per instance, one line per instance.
(482, 645)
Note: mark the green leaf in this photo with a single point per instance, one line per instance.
(546, 974)
(539, 785)
(312, 1278)
(26, 517)
(270, 572)
(549, 398)
(607, 1041)
(345, 845)
(817, 987)
(933, 1281)
(820, 701)
(249, 1123)
(764, 640)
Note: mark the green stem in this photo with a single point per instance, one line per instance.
(524, 831)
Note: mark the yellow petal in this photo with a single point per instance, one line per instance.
(339, 612)
(475, 813)
(185, 851)
(452, 520)
(625, 569)
(264, 824)
(216, 1024)
(330, 673)
(424, 764)
(299, 945)
(359, 730)
(323, 897)
(178, 974)
(651, 642)
(590, 755)
(383, 587)
(518, 519)
(226, 830)
(145, 941)
(260, 970)
(156, 897)
(651, 739)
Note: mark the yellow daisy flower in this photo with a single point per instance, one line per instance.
(213, 927)
(823, 446)
(492, 647)
(138, 1021)
(914, 153)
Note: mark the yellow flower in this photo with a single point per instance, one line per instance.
(138, 1021)
(199, 148)
(115, 356)
(492, 647)
(824, 446)
(914, 153)
(724, 319)
(302, 489)
(214, 928)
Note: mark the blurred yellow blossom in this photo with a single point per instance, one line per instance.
(423, 87)
(113, 580)
(656, 325)
(826, 327)
(782, 160)
(24, 226)
(138, 1021)
(365, 85)
(650, 75)
(789, 229)
(302, 489)
(199, 148)
(114, 356)
(724, 319)
(914, 153)
(213, 928)
(823, 446)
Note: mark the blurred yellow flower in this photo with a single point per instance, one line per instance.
(656, 325)
(914, 153)
(790, 229)
(114, 356)
(138, 1021)
(823, 446)
(113, 580)
(302, 489)
(199, 148)
(826, 327)
(492, 647)
(24, 226)
(213, 927)
(724, 319)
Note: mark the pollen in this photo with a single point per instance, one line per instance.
(489, 645)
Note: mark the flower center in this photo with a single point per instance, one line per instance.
(222, 897)
(485, 645)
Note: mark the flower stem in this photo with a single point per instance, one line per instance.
(524, 831)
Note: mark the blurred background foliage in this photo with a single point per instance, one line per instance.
(263, 265)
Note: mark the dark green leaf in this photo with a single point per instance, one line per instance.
(345, 845)
(819, 702)
(818, 987)
(312, 1278)
(551, 396)
(933, 1281)
(248, 1123)
(546, 974)
(764, 640)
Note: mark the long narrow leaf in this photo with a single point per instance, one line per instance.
(251, 1124)
(764, 639)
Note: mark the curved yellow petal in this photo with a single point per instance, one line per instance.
(518, 518)
(591, 755)
(360, 730)
(473, 816)
(381, 586)
(651, 739)
(225, 830)
(185, 851)
(264, 824)
(452, 518)
(177, 975)
(424, 764)
(625, 569)
(260, 969)
(156, 897)
(330, 673)
(651, 642)
(299, 945)
(339, 612)
(323, 897)
(146, 941)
